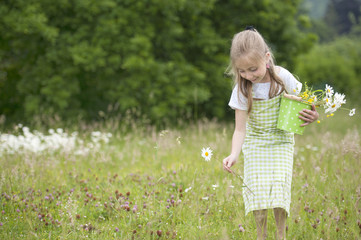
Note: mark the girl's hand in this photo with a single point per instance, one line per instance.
(228, 162)
(309, 116)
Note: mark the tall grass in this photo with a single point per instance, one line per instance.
(149, 184)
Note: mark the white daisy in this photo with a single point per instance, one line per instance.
(329, 90)
(352, 112)
(207, 154)
(327, 101)
(338, 100)
(332, 107)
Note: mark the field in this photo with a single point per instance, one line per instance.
(140, 183)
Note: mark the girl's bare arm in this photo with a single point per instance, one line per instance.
(237, 139)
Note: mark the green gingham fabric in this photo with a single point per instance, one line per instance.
(268, 159)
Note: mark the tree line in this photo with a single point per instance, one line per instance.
(88, 59)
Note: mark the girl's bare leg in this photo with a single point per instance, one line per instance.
(280, 217)
(261, 221)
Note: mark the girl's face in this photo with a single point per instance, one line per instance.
(253, 71)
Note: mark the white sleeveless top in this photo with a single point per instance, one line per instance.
(261, 90)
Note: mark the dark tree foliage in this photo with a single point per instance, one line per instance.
(342, 14)
(89, 58)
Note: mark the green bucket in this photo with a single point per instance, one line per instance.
(288, 116)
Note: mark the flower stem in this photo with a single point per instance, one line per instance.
(239, 175)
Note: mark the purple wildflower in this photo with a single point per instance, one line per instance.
(241, 229)
(135, 208)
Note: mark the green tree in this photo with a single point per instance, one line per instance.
(335, 63)
(79, 58)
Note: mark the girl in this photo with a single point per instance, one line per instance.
(268, 151)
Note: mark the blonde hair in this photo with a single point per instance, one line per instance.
(251, 44)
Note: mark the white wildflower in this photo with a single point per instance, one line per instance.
(338, 100)
(329, 91)
(207, 154)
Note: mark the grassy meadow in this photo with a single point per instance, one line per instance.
(149, 184)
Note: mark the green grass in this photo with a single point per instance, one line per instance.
(149, 169)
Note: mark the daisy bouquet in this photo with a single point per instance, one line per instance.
(291, 105)
(330, 100)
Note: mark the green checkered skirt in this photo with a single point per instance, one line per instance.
(268, 159)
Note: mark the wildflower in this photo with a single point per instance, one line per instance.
(241, 229)
(330, 100)
(163, 133)
(352, 112)
(329, 90)
(135, 208)
(207, 154)
(187, 189)
(205, 198)
(338, 100)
